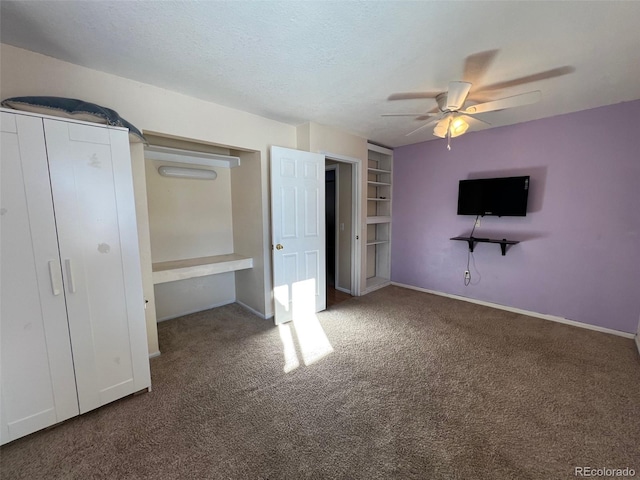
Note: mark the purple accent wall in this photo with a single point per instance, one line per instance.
(579, 256)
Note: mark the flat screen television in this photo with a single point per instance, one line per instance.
(502, 197)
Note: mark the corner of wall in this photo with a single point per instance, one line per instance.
(303, 137)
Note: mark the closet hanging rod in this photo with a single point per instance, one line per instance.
(190, 157)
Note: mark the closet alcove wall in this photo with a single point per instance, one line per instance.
(191, 218)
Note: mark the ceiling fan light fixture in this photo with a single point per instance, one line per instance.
(183, 172)
(458, 126)
(440, 130)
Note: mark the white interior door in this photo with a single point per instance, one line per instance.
(95, 215)
(298, 232)
(38, 383)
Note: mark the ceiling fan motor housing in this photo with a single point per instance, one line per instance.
(442, 101)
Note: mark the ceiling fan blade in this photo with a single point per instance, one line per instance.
(421, 114)
(554, 72)
(475, 122)
(412, 95)
(477, 64)
(426, 125)
(457, 94)
(507, 102)
(481, 97)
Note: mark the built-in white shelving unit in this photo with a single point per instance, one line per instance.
(378, 241)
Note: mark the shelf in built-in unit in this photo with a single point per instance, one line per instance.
(385, 219)
(377, 242)
(378, 170)
(383, 184)
(379, 199)
(198, 267)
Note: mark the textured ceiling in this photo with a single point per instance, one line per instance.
(337, 63)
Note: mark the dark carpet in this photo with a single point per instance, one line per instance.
(416, 387)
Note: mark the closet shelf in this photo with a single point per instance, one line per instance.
(380, 184)
(198, 267)
(371, 220)
(189, 157)
(378, 199)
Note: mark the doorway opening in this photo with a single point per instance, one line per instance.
(339, 202)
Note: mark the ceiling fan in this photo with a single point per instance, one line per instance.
(453, 120)
(458, 106)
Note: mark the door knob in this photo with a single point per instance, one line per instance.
(279, 247)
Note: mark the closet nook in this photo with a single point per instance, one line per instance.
(206, 233)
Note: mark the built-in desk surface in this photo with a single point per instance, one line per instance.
(199, 267)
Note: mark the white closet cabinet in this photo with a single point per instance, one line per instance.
(72, 329)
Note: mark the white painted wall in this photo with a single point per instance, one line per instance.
(303, 137)
(153, 109)
(188, 218)
(174, 299)
(247, 220)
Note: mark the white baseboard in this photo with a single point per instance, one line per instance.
(344, 290)
(252, 310)
(382, 285)
(638, 342)
(154, 354)
(520, 311)
(201, 309)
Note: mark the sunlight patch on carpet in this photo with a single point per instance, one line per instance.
(312, 340)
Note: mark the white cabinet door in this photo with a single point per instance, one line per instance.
(298, 225)
(37, 380)
(95, 216)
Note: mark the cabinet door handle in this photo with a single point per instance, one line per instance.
(54, 270)
(71, 281)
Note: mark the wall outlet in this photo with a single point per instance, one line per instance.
(467, 274)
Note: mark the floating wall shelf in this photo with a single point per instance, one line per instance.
(473, 240)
